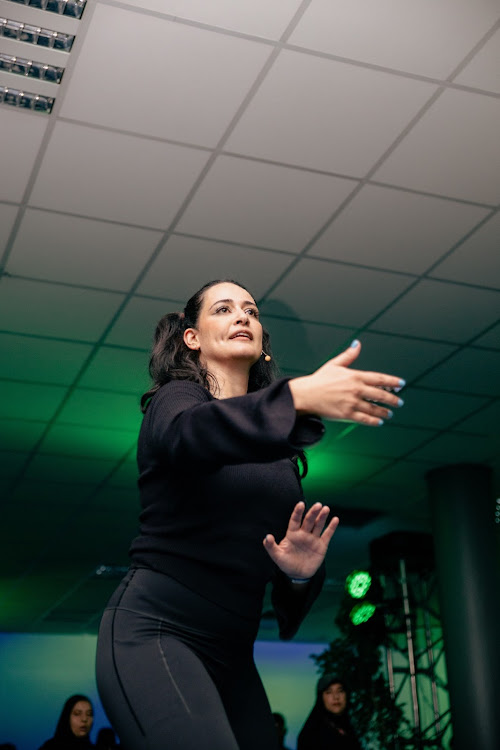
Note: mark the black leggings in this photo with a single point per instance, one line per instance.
(176, 672)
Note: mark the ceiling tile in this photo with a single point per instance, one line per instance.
(484, 422)
(326, 468)
(452, 151)
(23, 131)
(30, 401)
(186, 263)
(483, 71)
(474, 371)
(108, 175)
(404, 474)
(490, 339)
(7, 217)
(396, 230)
(136, 324)
(69, 469)
(398, 355)
(331, 293)
(11, 463)
(101, 409)
(435, 409)
(118, 498)
(32, 494)
(85, 312)
(304, 346)
(357, 114)
(120, 370)
(125, 476)
(41, 360)
(457, 448)
(88, 442)
(477, 260)
(259, 17)
(80, 251)
(263, 204)
(196, 79)
(462, 312)
(20, 435)
(390, 441)
(394, 34)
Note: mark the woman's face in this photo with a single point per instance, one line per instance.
(81, 719)
(335, 698)
(228, 327)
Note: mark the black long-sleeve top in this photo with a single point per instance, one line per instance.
(216, 476)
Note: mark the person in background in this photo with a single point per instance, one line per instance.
(220, 452)
(74, 725)
(106, 739)
(281, 729)
(328, 726)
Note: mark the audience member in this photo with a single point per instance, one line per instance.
(281, 729)
(328, 726)
(74, 725)
(106, 739)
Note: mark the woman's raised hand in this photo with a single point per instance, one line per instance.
(337, 392)
(304, 546)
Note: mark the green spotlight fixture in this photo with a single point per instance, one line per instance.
(358, 583)
(361, 612)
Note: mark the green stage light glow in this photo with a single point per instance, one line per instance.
(362, 612)
(358, 583)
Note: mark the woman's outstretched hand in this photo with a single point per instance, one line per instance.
(304, 546)
(337, 392)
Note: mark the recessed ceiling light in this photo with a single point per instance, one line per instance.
(26, 100)
(73, 8)
(25, 32)
(30, 68)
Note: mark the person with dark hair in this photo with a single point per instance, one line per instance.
(74, 725)
(106, 739)
(281, 729)
(328, 726)
(223, 515)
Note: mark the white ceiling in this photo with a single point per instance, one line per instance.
(341, 159)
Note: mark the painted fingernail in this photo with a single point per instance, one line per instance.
(354, 343)
(400, 402)
(380, 422)
(402, 383)
(389, 414)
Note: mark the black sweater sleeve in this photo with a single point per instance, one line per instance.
(291, 604)
(186, 422)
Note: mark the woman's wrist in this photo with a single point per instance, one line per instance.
(299, 388)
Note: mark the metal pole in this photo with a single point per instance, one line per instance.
(411, 652)
(430, 657)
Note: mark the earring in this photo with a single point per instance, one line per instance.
(267, 357)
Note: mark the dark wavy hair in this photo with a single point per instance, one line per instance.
(171, 359)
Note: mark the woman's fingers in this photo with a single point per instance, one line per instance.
(330, 530)
(347, 357)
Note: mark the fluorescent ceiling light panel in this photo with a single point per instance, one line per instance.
(73, 8)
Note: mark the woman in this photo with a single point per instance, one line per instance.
(328, 726)
(219, 484)
(73, 727)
